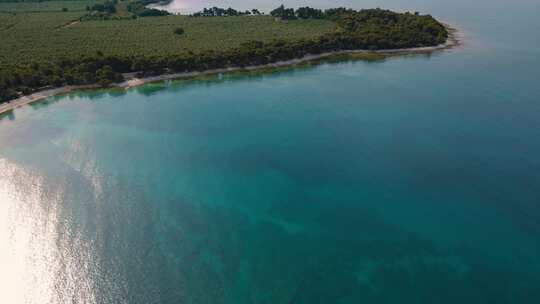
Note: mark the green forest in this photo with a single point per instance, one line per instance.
(55, 43)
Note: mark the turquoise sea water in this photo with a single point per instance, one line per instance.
(410, 180)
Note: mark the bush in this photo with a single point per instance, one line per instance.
(179, 31)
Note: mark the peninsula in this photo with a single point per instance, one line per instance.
(55, 46)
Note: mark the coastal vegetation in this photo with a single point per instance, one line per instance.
(222, 12)
(97, 41)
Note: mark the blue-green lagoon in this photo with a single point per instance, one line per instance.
(414, 179)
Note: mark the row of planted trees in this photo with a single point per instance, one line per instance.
(222, 12)
(280, 12)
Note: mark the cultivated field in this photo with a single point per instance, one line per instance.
(33, 32)
(47, 6)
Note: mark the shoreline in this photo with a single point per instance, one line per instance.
(451, 42)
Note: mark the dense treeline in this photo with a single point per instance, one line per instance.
(366, 29)
(302, 13)
(108, 9)
(383, 29)
(222, 12)
(283, 13)
(139, 8)
(309, 12)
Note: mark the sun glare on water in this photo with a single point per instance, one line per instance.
(33, 259)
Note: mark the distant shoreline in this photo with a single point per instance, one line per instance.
(451, 41)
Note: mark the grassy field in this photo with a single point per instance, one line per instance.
(47, 6)
(41, 31)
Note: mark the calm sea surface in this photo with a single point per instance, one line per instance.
(410, 180)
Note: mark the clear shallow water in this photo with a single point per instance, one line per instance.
(410, 180)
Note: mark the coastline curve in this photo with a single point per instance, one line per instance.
(451, 42)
